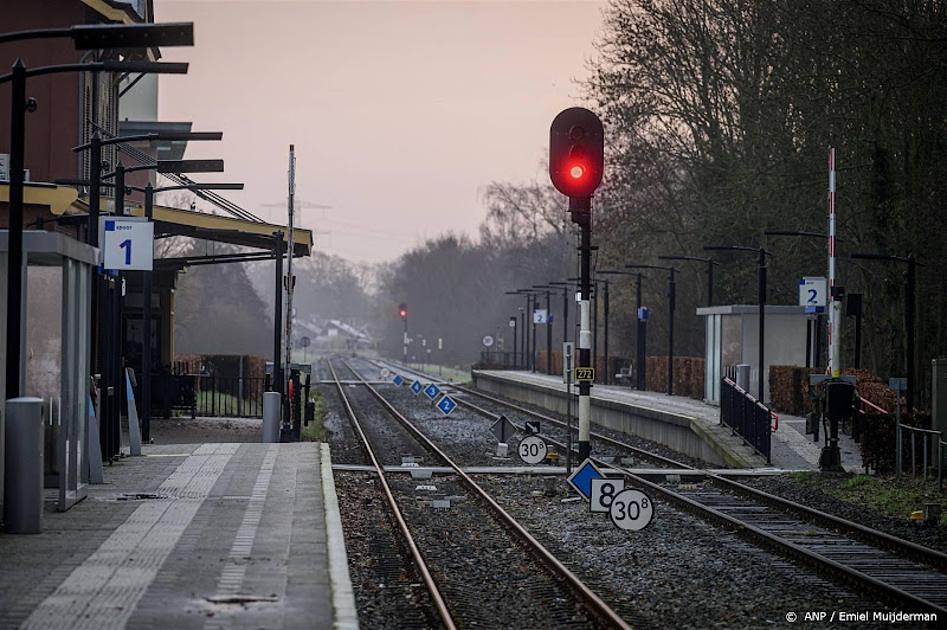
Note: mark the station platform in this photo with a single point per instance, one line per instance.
(687, 425)
(189, 536)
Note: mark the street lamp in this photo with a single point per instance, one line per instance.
(548, 325)
(97, 36)
(761, 296)
(710, 262)
(910, 289)
(19, 105)
(149, 192)
(672, 301)
(641, 325)
(565, 304)
(531, 296)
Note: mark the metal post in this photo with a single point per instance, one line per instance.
(595, 324)
(404, 340)
(23, 464)
(581, 210)
(835, 305)
(608, 373)
(548, 333)
(146, 331)
(515, 340)
(15, 256)
(808, 343)
(641, 342)
(565, 313)
(898, 439)
(925, 456)
(909, 305)
(278, 315)
(710, 282)
(288, 337)
(762, 341)
(913, 458)
(523, 335)
(817, 352)
(671, 303)
(532, 356)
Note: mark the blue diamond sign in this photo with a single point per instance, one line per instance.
(581, 478)
(416, 387)
(431, 391)
(446, 404)
(397, 380)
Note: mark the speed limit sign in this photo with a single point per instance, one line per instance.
(532, 449)
(631, 510)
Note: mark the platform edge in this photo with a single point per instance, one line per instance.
(345, 614)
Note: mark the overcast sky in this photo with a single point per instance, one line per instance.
(401, 112)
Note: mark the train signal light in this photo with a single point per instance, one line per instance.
(403, 311)
(576, 152)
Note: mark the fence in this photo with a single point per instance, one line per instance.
(932, 442)
(496, 360)
(746, 417)
(208, 395)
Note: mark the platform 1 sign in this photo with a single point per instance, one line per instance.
(431, 391)
(416, 387)
(128, 244)
(446, 404)
(581, 478)
(532, 450)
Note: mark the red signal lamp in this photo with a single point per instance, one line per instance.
(577, 171)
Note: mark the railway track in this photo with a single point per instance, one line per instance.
(540, 580)
(898, 571)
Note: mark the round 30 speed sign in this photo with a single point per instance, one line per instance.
(532, 449)
(631, 510)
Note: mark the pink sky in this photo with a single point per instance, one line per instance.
(401, 112)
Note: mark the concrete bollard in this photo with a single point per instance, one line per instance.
(23, 466)
(272, 403)
(743, 376)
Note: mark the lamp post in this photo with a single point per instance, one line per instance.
(531, 298)
(548, 324)
(565, 305)
(761, 296)
(19, 105)
(641, 325)
(672, 301)
(523, 315)
(150, 192)
(710, 262)
(910, 301)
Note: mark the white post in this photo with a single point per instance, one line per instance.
(835, 306)
(585, 343)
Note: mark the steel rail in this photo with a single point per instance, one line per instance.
(872, 536)
(439, 603)
(588, 597)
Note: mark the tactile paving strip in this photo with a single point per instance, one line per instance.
(103, 591)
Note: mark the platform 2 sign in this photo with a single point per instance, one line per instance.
(581, 374)
(446, 404)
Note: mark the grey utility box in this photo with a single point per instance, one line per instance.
(939, 394)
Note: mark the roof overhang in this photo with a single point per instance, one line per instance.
(57, 198)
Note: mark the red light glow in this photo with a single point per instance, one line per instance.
(576, 171)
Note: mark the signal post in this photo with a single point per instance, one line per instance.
(576, 164)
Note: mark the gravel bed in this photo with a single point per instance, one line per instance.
(599, 448)
(389, 439)
(789, 488)
(341, 436)
(679, 571)
(487, 578)
(388, 592)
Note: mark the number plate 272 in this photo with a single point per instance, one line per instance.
(583, 374)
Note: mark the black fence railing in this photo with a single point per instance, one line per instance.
(497, 360)
(208, 395)
(746, 417)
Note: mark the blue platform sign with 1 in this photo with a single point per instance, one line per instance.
(431, 391)
(416, 387)
(127, 244)
(446, 404)
(397, 380)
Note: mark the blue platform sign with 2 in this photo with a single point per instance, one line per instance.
(416, 387)
(446, 404)
(431, 391)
